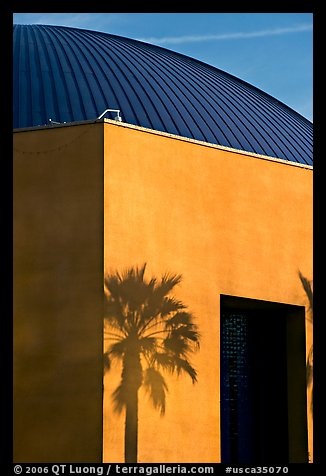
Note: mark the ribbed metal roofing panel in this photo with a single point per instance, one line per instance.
(68, 74)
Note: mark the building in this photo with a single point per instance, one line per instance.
(195, 172)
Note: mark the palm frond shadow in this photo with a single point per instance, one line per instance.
(151, 333)
(307, 286)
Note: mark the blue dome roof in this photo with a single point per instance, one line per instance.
(69, 74)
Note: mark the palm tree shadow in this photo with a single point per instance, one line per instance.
(150, 332)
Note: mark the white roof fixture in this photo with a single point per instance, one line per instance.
(55, 122)
(117, 117)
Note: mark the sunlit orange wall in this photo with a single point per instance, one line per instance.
(58, 289)
(231, 224)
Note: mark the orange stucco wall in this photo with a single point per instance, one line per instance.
(58, 283)
(230, 223)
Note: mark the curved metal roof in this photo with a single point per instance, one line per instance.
(68, 74)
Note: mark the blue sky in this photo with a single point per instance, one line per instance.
(272, 51)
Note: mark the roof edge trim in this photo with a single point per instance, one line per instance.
(207, 144)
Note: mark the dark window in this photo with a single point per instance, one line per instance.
(263, 389)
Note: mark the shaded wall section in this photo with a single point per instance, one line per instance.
(231, 224)
(58, 283)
